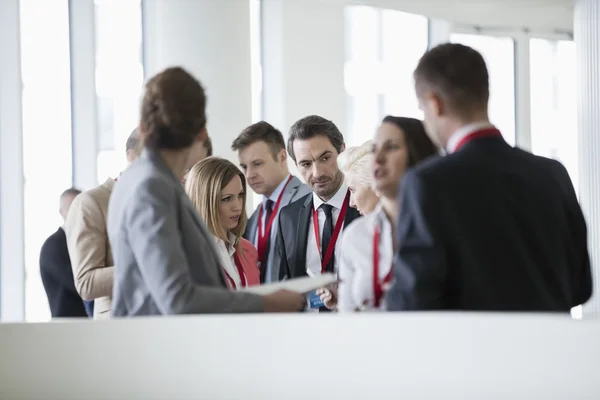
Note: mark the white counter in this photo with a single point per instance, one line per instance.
(369, 356)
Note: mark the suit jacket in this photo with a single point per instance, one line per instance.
(490, 227)
(292, 236)
(166, 259)
(89, 247)
(294, 191)
(57, 277)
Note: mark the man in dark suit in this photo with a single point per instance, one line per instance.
(262, 155)
(488, 226)
(55, 269)
(310, 229)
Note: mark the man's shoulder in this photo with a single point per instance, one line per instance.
(54, 242)
(301, 188)
(293, 209)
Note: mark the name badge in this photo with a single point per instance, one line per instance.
(314, 300)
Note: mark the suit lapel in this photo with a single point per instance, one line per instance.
(302, 236)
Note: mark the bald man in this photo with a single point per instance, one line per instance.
(55, 268)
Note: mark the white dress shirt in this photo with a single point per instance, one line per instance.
(313, 257)
(356, 265)
(226, 252)
(274, 197)
(461, 133)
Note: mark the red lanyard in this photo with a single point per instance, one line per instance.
(238, 265)
(377, 284)
(264, 235)
(335, 234)
(488, 132)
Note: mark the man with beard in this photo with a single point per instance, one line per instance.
(308, 239)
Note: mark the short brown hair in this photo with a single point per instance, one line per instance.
(260, 132)
(457, 73)
(311, 126)
(203, 185)
(173, 110)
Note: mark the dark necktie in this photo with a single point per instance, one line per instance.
(264, 261)
(327, 232)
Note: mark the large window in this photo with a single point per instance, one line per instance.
(119, 79)
(499, 55)
(45, 63)
(383, 48)
(554, 102)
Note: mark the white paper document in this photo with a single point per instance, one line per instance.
(299, 285)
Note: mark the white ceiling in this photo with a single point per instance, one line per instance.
(545, 16)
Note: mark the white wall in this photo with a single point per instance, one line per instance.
(361, 356)
(211, 39)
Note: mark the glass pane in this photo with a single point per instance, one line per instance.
(378, 74)
(499, 55)
(400, 58)
(362, 25)
(46, 134)
(554, 102)
(364, 118)
(119, 79)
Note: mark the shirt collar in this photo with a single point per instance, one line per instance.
(275, 195)
(336, 201)
(221, 243)
(462, 132)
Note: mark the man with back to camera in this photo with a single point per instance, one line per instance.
(87, 240)
(263, 158)
(55, 268)
(487, 227)
(310, 229)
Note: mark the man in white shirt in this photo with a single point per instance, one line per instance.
(305, 246)
(262, 156)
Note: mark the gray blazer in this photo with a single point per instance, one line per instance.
(165, 262)
(295, 190)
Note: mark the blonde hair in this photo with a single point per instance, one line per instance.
(355, 163)
(204, 184)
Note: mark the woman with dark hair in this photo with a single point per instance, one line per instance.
(366, 262)
(165, 258)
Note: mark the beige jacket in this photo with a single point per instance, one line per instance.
(89, 248)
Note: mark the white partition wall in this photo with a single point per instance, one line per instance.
(366, 356)
(211, 39)
(587, 37)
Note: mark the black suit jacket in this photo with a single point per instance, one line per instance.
(292, 236)
(490, 227)
(57, 277)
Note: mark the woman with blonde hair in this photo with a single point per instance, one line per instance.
(355, 162)
(217, 189)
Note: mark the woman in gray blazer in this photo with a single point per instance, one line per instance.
(165, 260)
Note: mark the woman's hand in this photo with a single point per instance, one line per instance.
(328, 297)
(284, 301)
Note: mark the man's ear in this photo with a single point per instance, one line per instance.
(343, 148)
(435, 103)
(282, 156)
